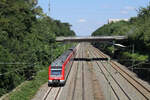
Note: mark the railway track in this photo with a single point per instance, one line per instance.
(75, 82)
(105, 76)
(138, 87)
(79, 64)
(95, 84)
(75, 78)
(113, 84)
(83, 87)
(92, 78)
(52, 93)
(47, 93)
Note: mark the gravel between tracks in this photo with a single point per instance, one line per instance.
(41, 92)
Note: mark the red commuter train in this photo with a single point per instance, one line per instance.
(60, 68)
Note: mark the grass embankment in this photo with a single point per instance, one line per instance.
(29, 89)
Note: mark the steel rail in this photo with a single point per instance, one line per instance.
(114, 79)
(75, 79)
(139, 87)
(47, 93)
(57, 94)
(76, 55)
(106, 79)
(83, 87)
(50, 89)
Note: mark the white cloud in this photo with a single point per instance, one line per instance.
(129, 8)
(82, 20)
(124, 12)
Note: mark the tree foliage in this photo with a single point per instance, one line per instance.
(138, 43)
(27, 37)
(137, 29)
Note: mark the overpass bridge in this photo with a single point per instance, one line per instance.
(90, 39)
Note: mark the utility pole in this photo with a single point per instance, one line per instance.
(113, 52)
(49, 8)
(133, 59)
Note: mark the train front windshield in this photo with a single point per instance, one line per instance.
(55, 72)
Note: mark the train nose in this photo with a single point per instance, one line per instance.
(56, 81)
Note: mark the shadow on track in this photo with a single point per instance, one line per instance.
(90, 59)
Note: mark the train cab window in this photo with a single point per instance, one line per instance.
(55, 72)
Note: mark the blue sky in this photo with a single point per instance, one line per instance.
(86, 16)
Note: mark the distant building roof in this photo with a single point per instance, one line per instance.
(116, 20)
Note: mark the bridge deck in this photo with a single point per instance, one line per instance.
(90, 39)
